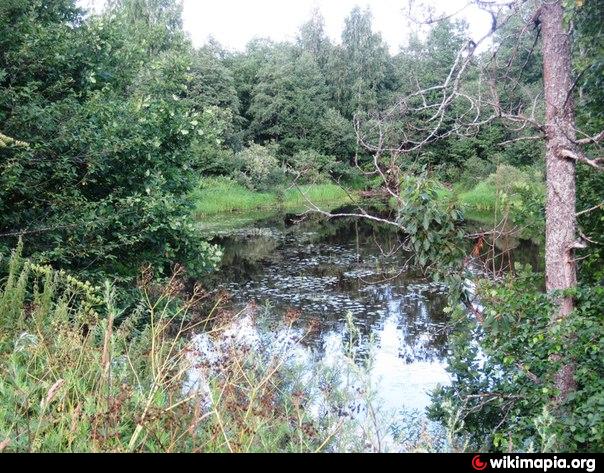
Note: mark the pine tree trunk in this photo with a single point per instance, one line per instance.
(560, 266)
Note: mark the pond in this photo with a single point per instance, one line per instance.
(344, 277)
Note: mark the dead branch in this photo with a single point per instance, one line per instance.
(596, 163)
(591, 139)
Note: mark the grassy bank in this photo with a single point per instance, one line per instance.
(489, 200)
(483, 203)
(480, 204)
(220, 195)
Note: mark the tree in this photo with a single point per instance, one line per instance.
(313, 39)
(336, 136)
(245, 68)
(289, 101)
(212, 85)
(361, 69)
(563, 152)
(102, 187)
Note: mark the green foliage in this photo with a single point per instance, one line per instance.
(259, 167)
(112, 126)
(363, 65)
(213, 86)
(222, 194)
(504, 381)
(432, 225)
(475, 170)
(588, 62)
(310, 166)
(289, 100)
(588, 55)
(313, 39)
(114, 130)
(511, 194)
(337, 137)
(210, 147)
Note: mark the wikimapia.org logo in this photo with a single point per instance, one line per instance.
(543, 464)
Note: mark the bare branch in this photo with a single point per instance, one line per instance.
(591, 209)
(591, 139)
(596, 163)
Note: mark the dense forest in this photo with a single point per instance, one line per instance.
(119, 140)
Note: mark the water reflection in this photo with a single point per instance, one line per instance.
(373, 318)
(328, 269)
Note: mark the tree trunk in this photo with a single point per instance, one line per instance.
(560, 267)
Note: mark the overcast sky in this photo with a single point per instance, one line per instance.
(234, 22)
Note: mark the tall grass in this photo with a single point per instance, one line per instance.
(216, 195)
(299, 197)
(77, 374)
(509, 190)
(482, 198)
(74, 380)
(220, 195)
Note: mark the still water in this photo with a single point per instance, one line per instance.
(350, 286)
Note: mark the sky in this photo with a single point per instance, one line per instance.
(235, 22)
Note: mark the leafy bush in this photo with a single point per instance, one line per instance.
(504, 382)
(506, 178)
(432, 225)
(213, 157)
(259, 167)
(106, 108)
(310, 166)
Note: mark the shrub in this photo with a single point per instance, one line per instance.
(309, 166)
(213, 157)
(506, 178)
(432, 223)
(260, 169)
(504, 363)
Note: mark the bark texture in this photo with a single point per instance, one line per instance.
(560, 266)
